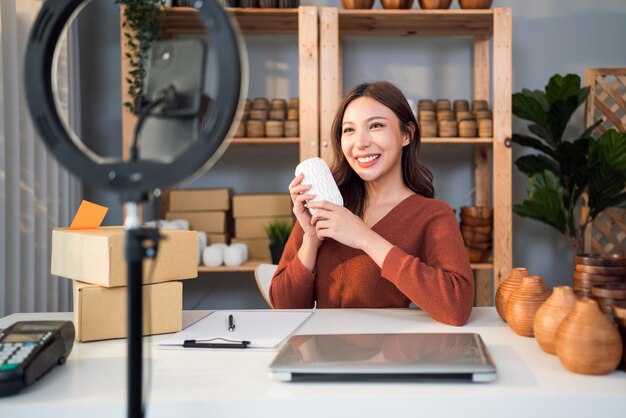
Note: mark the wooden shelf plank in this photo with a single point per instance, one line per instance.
(186, 20)
(440, 140)
(416, 22)
(264, 141)
(482, 266)
(250, 265)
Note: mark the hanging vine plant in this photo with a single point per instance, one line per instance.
(141, 27)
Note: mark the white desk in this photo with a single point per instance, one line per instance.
(234, 383)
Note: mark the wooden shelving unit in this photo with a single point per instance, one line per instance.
(320, 90)
(482, 25)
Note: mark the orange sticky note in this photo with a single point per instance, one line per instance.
(88, 216)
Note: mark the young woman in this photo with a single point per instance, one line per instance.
(392, 243)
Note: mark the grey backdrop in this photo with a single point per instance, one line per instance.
(549, 36)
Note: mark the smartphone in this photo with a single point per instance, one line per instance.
(168, 130)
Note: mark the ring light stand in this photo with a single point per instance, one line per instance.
(132, 180)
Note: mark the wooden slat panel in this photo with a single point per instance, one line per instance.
(330, 76)
(606, 100)
(129, 120)
(502, 158)
(308, 50)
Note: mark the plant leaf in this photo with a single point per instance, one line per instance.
(561, 88)
(604, 186)
(532, 164)
(544, 206)
(610, 151)
(529, 108)
(560, 113)
(542, 132)
(528, 141)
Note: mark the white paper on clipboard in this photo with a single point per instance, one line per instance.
(264, 329)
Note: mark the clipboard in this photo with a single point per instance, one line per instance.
(263, 329)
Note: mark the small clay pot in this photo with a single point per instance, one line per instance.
(396, 4)
(357, 4)
(475, 4)
(587, 342)
(524, 303)
(551, 314)
(512, 281)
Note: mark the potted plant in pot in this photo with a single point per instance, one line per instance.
(567, 173)
(278, 232)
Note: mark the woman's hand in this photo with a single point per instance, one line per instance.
(339, 223)
(299, 196)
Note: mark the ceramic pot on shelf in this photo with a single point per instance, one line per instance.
(513, 280)
(475, 4)
(524, 303)
(435, 4)
(587, 342)
(357, 4)
(551, 314)
(396, 4)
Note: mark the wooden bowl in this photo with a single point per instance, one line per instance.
(444, 114)
(473, 236)
(464, 115)
(274, 128)
(485, 128)
(426, 104)
(260, 103)
(292, 128)
(482, 212)
(255, 129)
(483, 114)
(460, 105)
(611, 271)
(293, 114)
(475, 4)
(277, 114)
(357, 4)
(448, 128)
(428, 129)
(396, 4)
(435, 4)
(479, 105)
(425, 115)
(278, 104)
(601, 260)
(477, 256)
(600, 278)
(483, 229)
(294, 103)
(258, 114)
(442, 104)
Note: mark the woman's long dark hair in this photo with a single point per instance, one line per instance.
(415, 175)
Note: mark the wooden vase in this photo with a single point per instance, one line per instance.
(587, 342)
(524, 303)
(551, 314)
(513, 280)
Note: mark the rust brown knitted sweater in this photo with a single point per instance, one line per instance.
(428, 265)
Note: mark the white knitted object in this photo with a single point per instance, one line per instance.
(323, 186)
(202, 244)
(233, 256)
(213, 256)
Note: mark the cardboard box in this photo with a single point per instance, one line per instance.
(208, 221)
(255, 227)
(262, 205)
(217, 239)
(258, 248)
(96, 256)
(100, 313)
(199, 200)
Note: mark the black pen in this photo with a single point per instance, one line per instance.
(231, 344)
(231, 323)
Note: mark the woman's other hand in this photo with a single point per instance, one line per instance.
(338, 223)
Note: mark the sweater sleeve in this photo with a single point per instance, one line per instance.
(292, 285)
(442, 284)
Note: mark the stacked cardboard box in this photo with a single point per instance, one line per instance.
(206, 210)
(95, 260)
(252, 212)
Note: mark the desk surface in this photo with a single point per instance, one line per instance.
(234, 383)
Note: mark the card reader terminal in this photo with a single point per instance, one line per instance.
(30, 349)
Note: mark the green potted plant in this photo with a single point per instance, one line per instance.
(278, 232)
(567, 174)
(141, 27)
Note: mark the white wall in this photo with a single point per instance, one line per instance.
(549, 36)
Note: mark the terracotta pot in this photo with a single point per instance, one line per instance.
(396, 4)
(523, 304)
(357, 4)
(513, 280)
(551, 314)
(587, 342)
(435, 4)
(475, 4)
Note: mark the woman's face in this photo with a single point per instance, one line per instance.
(371, 139)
